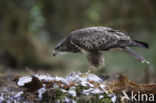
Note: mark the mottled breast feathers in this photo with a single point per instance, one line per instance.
(97, 38)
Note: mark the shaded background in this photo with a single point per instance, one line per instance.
(29, 30)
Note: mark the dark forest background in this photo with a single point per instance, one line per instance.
(29, 30)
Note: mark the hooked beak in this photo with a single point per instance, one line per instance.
(55, 53)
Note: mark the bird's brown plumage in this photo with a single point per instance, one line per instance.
(93, 40)
(98, 38)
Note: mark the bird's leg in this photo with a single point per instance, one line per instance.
(83, 75)
(88, 72)
(91, 70)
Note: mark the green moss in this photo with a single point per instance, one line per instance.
(53, 95)
(94, 99)
(79, 89)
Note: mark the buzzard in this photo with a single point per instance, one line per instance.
(93, 40)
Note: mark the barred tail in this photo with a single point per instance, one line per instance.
(132, 53)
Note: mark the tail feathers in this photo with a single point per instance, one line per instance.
(132, 53)
(140, 44)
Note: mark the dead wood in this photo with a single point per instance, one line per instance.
(123, 84)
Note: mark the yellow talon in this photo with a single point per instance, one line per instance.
(83, 75)
(87, 73)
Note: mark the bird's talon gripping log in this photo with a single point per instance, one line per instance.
(88, 72)
(84, 75)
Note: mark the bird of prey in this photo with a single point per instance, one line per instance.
(93, 40)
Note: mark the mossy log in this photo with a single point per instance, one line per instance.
(75, 88)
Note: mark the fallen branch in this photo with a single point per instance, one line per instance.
(76, 88)
(123, 84)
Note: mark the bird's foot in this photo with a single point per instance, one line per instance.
(87, 73)
(83, 75)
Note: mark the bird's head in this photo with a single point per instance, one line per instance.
(61, 47)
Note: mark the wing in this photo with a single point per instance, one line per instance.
(97, 38)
